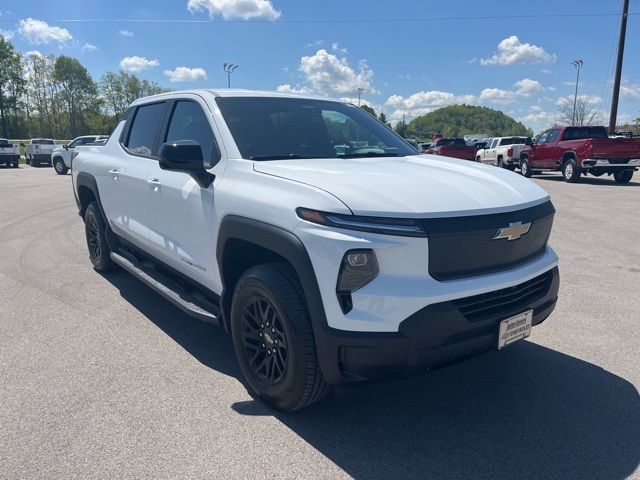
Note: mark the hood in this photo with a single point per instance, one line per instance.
(416, 186)
(57, 148)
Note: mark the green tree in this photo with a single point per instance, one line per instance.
(367, 108)
(383, 118)
(120, 89)
(402, 128)
(77, 90)
(11, 85)
(460, 120)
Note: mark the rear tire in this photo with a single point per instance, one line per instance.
(60, 167)
(623, 176)
(273, 339)
(571, 171)
(525, 168)
(95, 231)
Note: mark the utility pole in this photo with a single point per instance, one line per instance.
(229, 68)
(613, 118)
(359, 91)
(578, 64)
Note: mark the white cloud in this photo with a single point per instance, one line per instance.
(630, 91)
(39, 32)
(546, 71)
(33, 53)
(526, 87)
(512, 52)
(335, 46)
(125, 33)
(498, 95)
(137, 64)
(286, 88)
(186, 74)
(328, 74)
(88, 47)
(229, 9)
(6, 34)
(316, 44)
(585, 98)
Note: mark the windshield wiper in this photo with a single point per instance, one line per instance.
(368, 154)
(291, 156)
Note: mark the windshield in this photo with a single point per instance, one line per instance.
(513, 141)
(42, 141)
(576, 133)
(266, 128)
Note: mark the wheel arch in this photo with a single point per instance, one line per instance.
(569, 155)
(244, 242)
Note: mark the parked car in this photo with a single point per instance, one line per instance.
(9, 153)
(62, 156)
(413, 143)
(502, 152)
(577, 151)
(424, 147)
(452, 147)
(37, 151)
(326, 265)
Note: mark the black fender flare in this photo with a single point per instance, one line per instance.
(87, 180)
(279, 241)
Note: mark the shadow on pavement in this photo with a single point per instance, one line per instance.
(525, 412)
(605, 180)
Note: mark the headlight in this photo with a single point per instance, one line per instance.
(406, 227)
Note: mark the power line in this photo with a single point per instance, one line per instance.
(322, 21)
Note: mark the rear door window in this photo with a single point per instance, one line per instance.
(145, 128)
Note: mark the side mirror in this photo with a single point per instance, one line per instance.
(66, 147)
(185, 156)
(529, 142)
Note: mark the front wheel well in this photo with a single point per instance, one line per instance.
(239, 256)
(569, 156)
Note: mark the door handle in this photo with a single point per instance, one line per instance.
(154, 183)
(114, 171)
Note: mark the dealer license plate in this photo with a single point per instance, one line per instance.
(515, 328)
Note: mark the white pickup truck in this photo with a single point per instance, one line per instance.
(327, 247)
(61, 157)
(38, 151)
(9, 153)
(502, 152)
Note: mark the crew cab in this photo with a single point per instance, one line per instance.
(453, 148)
(502, 152)
(329, 249)
(9, 153)
(37, 151)
(581, 150)
(62, 156)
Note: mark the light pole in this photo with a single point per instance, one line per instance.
(578, 64)
(229, 68)
(360, 91)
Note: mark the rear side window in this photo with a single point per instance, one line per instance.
(145, 128)
(188, 122)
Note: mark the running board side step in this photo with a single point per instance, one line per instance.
(199, 308)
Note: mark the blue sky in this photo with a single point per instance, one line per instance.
(408, 67)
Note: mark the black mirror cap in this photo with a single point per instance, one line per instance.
(183, 155)
(66, 147)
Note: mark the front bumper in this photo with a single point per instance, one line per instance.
(606, 163)
(439, 334)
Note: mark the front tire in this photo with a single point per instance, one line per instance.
(60, 167)
(623, 176)
(273, 339)
(95, 231)
(571, 171)
(525, 168)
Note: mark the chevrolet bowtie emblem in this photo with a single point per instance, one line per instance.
(513, 232)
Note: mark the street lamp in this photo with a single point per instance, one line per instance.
(229, 68)
(578, 64)
(360, 91)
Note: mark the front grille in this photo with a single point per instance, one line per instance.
(505, 301)
(465, 246)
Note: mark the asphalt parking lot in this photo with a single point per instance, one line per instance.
(102, 378)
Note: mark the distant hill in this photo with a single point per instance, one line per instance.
(460, 120)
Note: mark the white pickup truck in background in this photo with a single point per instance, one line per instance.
(9, 153)
(38, 151)
(62, 155)
(502, 152)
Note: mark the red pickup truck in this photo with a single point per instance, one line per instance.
(577, 151)
(452, 147)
